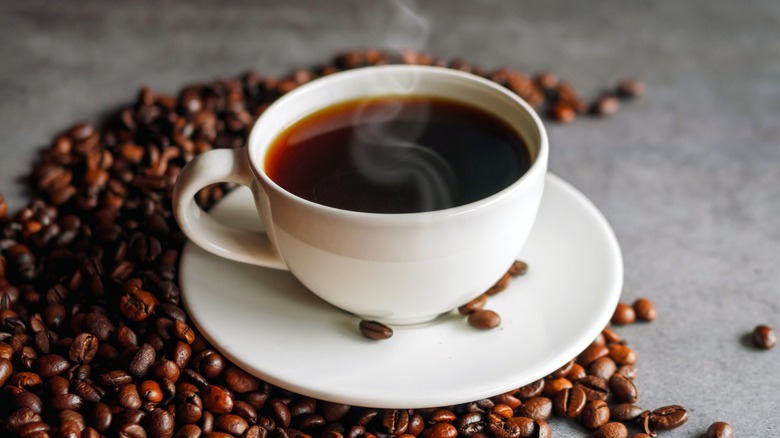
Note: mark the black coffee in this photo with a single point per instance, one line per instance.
(397, 154)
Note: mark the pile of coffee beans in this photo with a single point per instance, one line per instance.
(93, 337)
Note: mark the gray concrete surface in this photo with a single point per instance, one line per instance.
(689, 176)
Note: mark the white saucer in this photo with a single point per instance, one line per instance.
(265, 321)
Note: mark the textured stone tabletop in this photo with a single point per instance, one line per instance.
(688, 176)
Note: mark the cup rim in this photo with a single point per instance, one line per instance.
(539, 164)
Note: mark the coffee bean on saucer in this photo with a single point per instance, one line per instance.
(484, 319)
(375, 330)
(473, 305)
(624, 314)
(720, 429)
(764, 337)
(500, 285)
(518, 268)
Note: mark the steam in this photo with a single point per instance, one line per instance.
(387, 147)
(408, 30)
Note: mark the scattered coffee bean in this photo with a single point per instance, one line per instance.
(666, 418)
(595, 414)
(645, 309)
(720, 429)
(625, 412)
(623, 389)
(764, 337)
(630, 88)
(375, 330)
(562, 112)
(605, 105)
(624, 314)
(484, 319)
(612, 430)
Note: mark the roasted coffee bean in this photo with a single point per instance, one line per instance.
(562, 371)
(281, 412)
(132, 431)
(484, 319)
(611, 430)
(624, 314)
(595, 388)
(116, 378)
(526, 427)
(645, 309)
(160, 424)
(218, 400)
(562, 112)
(630, 88)
(764, 337)
(375, 330)
(668, 417)
(150, 391)
(137, 305)
(623, 389)
(20, 417)
(504, 430)
(605, 105)
(610, 336)
(65, 401)
(239, 381)
(84, 348)
(531, 390)
(473, 305)
(440, 430)
(128, 397)
(245, 411)
(189, 408)
(333, 411)
(51, 365)
(594, 351)
(231, 423)
(6, 370)
(641, 435)
(470, 424)
(595, 414)
(625, 412)
(543, 429)
(570, 402)
(27, 399)
(720, 429)
(537, 408)
(627, 371)
(518, 268)
(500, 285)
(622, 354)
(577, 372)
(507, 399)
(603, 367)
(88, 391)
(553, 386)
(141, 361)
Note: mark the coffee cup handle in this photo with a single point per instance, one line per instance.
(217, 166)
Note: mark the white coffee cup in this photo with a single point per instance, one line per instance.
(396, 268)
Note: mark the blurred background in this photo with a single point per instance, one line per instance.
(688, 175)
